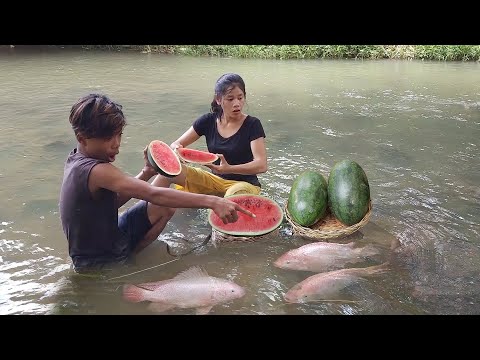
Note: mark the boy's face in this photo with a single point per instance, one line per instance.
(104, 149)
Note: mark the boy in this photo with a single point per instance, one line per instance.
(93, 190)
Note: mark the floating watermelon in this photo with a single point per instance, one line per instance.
(196, 156)
(269, 216)
(163, 159)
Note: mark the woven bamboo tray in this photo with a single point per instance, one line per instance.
(219, 237)
(328, 227)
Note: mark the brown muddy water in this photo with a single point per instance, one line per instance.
(412, 126)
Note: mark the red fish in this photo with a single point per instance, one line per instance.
(328, 284)
(192, 288)
(323, 256)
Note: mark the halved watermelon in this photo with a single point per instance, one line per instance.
(269, 216)
(196, 156)
(163, 159)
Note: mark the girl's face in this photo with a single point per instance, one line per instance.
(232, 102)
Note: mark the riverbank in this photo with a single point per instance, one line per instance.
(284, 52)
(411, 52)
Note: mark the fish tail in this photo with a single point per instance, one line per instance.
(133, 293)
(378, 269)
(369, 250)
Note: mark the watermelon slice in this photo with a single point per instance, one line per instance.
(196, 156)
(269, 216)
(163, 159)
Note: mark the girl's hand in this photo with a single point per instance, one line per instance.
(223, 168)
(175, 145)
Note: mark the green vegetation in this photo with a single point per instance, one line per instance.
(418, 52)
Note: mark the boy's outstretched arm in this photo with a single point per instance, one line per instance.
(145, 175)
(107, 176)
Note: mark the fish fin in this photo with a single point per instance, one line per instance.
(351, 244)
(151, 286)
(213, 239)
(159, 307)
(191, 273)
(132, 293)
(203, 310)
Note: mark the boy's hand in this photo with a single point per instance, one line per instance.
(227, 210)
(148, 168)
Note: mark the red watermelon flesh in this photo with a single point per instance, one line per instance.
(196, 156)
(163, 159)
(269, 216)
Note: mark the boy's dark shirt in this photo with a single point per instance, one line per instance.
(91, 226)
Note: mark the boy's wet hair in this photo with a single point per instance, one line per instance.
(96, 116)
(224, 84)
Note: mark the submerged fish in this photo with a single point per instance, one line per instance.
(328, 284)
(192, 288)
(323, 256)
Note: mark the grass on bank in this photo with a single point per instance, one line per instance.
(418, 52)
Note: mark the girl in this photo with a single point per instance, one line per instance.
(237, 138)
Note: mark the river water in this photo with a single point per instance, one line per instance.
(412, 126)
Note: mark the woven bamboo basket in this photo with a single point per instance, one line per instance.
(219, 237)
(328, 227)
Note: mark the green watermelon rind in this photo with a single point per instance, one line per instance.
(214, 157)
(249, 233)
(348, 192)
(308, 198)
(158, 168)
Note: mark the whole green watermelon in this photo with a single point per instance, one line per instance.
(348, 192)
(307, 202)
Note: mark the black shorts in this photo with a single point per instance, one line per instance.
(134, 223)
